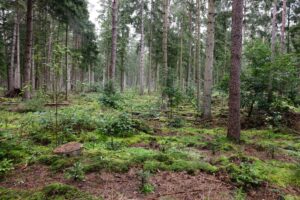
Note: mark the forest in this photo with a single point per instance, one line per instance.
(149, 100)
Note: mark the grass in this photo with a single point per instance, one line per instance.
(27, 138)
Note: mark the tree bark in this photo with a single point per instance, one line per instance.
(197, 57)
(282, 40)
(142, 50)
(67, 78)
(112, 67)
(181, 57)
(165, 41)
(208, 74)
(273, 45)
(17, 75)
(234, 126)
(12, 57)
(28, 43)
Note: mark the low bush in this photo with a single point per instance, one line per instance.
(5, 166)
(75, 172)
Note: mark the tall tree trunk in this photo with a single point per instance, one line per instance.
(165, 41)
(28, 47)
(150, 49)
(273, 46)
(142, 50)
(197, 57)
(67, 78)
(17, 75)
(33, 71)
(208, 74)
(112, 67)
(181, 58)
(122, 72)
(234, 125)
(189, 68)
(282, 42)
(12, 57)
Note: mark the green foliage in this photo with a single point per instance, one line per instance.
(5, 166)
(118, 126)
(110, 98)
(177, 122)
(34, 105)
(239, 194)
(76, 172)
(244, 175)
(145, 186)
(53, 191)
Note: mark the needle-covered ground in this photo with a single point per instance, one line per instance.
(138, 152)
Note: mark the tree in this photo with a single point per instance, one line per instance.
(197, 61)
(142, 50)
(234, 126)
(165, 41)
(112, 67)
(28, 55)
(208, 73)
(273, 45)
(282, 40)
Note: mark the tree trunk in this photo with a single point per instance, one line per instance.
(150, 50)
(122, 72)
(273, 46)
(181, 57)
(234, 126)
(17, 75)
(33, 71)
(142, 64)
(189, 69)
(12, 57)
(197, 57)
(282, 42)
(112, 67)
(208, 74)
(165, 41)
(28, 54)
(67, 78)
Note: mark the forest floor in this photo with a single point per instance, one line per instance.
(193, 161)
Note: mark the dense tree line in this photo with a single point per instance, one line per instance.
(192, 47)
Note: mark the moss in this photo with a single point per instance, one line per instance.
(62, 163)
(55, 191)
(281, 174)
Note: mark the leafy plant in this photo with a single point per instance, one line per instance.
(5, 166)
(110, 97)
(76, 172)
(145, 187)
(176, 123)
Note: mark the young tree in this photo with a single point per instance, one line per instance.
(208, 73)
(234, 126)
(28, 55)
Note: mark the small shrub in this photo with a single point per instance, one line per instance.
(244, 175)
(5, 166)
(76, 172)
(145, 186)
(239, 194)
(176, 123)
(110, 97)
(120, 126)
